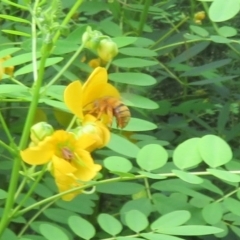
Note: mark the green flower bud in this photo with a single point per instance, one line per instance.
(107, 49)
(39, 131)
(91, 38)
(81, 130)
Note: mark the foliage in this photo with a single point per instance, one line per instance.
(173, 172)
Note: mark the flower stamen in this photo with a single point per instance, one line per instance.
(67, 154)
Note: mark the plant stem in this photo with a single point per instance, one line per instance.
(34, 217)
(143, 17)
(30, 191)
(64, 68)
(5, 127)
(174, 28)
(117, 179)
(24, 139)
(67, 18)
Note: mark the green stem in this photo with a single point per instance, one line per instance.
(147, 187)
(30, 191)
(180, 43)
(9, 149)
(174, 28)
(171, 73)
(117, 179)
(17, 82)
(71, 123)
(5, 127)
(23, 141)
(34, 217)
(228, 195)
(20, 187)
(143, 17)
(75, 55)
(67, 18)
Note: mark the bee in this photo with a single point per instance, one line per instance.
(112, 107)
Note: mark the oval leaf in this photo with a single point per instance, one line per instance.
(16, 33)
(123, 146)
(232, 205)
(158, 236)
(15, 19)
(151, 157)
(120, 188)
(81, 227)
(8, 51)
(135, 100)
(140, 224)
(51, 232)
(227, 31)
(212, 213)
(28, 68)
(222, 10)
(133, 63)
(191, 230)
(186, 154)
(188, 177)
(137, 125)
(172, 219)
(109, 224)
(138, 52)
(124, 41)
(118, 164)
(224, 175)
(138, 79)
(199, 31)
(214, 150)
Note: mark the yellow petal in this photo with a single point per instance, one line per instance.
(85, 141)
(93, 86)
(73, 98)
(61, 167)
(38, 155)
(69, 196)
(98, 76)
(109, 90)
(88, 169)
(101, 133)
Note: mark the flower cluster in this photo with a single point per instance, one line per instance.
(68, 153)
(103, 45)
(5, 70)
(199, 16)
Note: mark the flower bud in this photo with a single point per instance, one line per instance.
(5, 70)
(39, 131)
(95, 129)
(107, 49)
(91, 38)
(199, 16)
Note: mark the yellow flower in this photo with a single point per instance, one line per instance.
(199, 16)
(70, 162)
(6, 70)
(96, 62)
(96, 129)
(107, 49)
(78, 97)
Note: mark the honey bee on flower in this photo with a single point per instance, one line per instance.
(98, 98)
